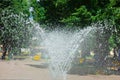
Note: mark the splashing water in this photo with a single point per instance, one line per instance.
(61, 47)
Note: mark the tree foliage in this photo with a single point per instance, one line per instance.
(16, 32)
(72, 13)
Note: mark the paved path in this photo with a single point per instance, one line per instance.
(28, 70)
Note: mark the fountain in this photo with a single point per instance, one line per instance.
(61, 46)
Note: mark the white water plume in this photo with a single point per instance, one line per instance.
(61, 47)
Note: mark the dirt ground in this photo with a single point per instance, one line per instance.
(34, 70)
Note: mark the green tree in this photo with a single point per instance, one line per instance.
(16, 32)
(39, 11)
(20, 6)
(4, 4)
(81, 17)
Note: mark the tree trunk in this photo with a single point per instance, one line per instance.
(4, 54)
(4, 51)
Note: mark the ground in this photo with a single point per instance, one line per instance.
(34, 70)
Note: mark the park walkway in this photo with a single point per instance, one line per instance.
(28, 70)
